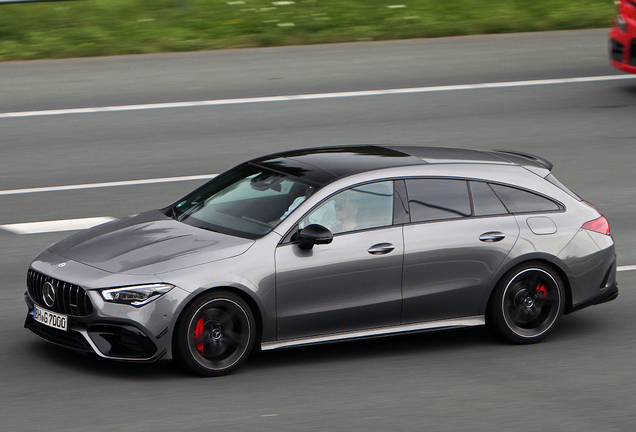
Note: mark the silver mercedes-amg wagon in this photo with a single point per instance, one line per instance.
(328, 244)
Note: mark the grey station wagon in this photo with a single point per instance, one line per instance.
(328, 244)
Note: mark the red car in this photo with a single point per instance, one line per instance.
(623, 36)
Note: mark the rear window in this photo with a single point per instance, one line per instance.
(435, 199)
(520, 201)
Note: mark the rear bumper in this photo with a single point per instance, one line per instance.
(609, 294)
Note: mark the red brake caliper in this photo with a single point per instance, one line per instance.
(198, 333)
(542, 292)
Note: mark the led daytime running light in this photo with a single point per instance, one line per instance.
(137, 296)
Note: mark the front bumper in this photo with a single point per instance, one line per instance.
(116, 331)
(622, 47)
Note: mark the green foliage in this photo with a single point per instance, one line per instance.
(109, 27)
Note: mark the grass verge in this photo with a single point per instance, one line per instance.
(110, 27)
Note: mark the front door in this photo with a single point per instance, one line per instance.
(353, 283)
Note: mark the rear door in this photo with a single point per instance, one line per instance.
(452, 247)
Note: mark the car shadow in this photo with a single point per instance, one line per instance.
(454, 341)
(91, 364)
(376, 348)
(586, 324)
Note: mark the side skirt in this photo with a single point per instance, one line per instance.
(382, 331)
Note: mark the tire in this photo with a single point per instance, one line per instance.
(527, 303)
(215, 334)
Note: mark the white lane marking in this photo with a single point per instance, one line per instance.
(314, 96)
(109, 184)
(55, 226)
(626, 268)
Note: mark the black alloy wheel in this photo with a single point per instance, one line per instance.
(527, 304)
(215, 334)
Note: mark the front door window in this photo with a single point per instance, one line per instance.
(362, 207)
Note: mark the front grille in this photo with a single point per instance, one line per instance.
(69, 299)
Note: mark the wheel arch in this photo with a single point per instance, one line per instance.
(251, 303)
(538, 326)
(547, 260)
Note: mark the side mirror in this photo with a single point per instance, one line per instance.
(312, 235)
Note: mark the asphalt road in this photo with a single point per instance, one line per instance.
(581, 379)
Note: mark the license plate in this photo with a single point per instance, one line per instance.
(50, 319)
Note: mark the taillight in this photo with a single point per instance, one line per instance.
(599, 225)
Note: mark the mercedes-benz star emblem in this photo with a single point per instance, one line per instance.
(48, 292)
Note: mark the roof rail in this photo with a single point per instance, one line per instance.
(546, 163)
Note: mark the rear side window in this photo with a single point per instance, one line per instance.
(435, 199)
(485, 201)
(519, 201)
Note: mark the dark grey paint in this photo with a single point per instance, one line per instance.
(341, 286)
(150, 243)
(448, 269)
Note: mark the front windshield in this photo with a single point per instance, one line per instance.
(248, 201)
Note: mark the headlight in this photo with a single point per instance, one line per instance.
(137, 296)
(622, 24)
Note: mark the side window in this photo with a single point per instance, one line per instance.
(434, 199)
(362, 207)
(519, 201)
(485, 202)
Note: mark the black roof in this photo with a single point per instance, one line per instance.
(326, 164)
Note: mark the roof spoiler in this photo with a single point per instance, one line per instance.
(546, 163)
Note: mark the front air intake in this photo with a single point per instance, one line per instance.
(616, 51)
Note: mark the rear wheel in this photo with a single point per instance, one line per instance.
(527, 303)
(215, 334)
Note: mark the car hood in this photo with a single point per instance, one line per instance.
(148, 243)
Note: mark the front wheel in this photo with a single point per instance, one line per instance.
(527, 304)
(215, 334)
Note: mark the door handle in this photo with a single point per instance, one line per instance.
(381, 249)
(492, 236)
